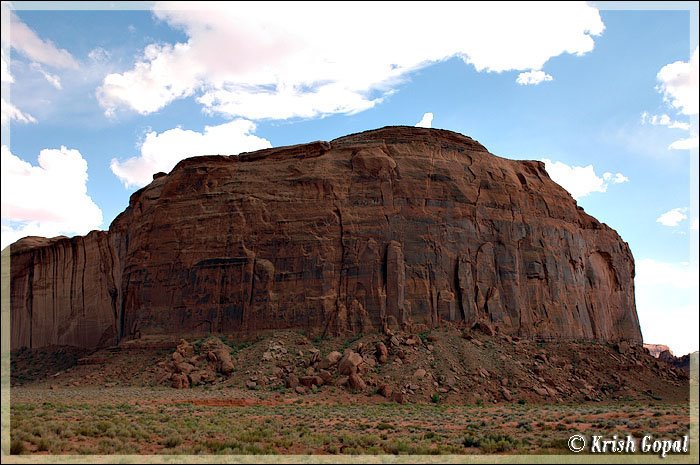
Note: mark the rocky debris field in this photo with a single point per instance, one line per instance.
(446, 365)
(48, 362)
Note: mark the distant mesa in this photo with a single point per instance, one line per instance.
(395, 228)
(656, 349)
(664, 353)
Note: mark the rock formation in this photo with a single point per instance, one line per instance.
(399, 227)
(656, 349)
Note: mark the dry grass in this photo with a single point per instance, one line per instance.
(225, 427)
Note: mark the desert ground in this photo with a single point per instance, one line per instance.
(444, 391)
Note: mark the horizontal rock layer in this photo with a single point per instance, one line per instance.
(397, 227)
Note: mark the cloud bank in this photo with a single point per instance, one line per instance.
(162, 151)
(48, 200)
(426, 121)
(581, 181)
(673, 218)
(533, 78)
(305, 60)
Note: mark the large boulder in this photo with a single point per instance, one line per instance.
(382, 352)
(349, 363)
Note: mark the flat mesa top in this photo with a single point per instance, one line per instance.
(385, 135)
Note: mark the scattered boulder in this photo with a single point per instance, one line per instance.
(507, 395)
(541, 391)
(179, 381)
(224, 361)
(292, 381)
(382, 353)
(195, 368)
(412, 341)
(330, 360)
(185, 349)
(325, 376)
(177, 357)
(315, 356)
(334, 357)
(622, 347)
(201, 377)
(348, 364)
(184, 367)
(385, 390)
(419, 373)
(309, 381)
(356, 382)
(219, 354)
(484, 328)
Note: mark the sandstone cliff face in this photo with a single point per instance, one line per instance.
(397, 227)
(63, 292)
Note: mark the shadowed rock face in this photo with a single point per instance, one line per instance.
(397, 227)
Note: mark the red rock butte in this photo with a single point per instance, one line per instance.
(399, 227)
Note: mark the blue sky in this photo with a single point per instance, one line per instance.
(607, 98)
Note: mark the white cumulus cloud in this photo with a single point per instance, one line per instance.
(255, 61)
(426, 121)
(664, 120)
(162, 151)
(678, 82)
(673, 218)
(50, 199)
(684, 144)
(11, 112)
(533, 78)
(581, 181)
(29, 44)
(5, 75)
(666, 296)
(617, 178)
